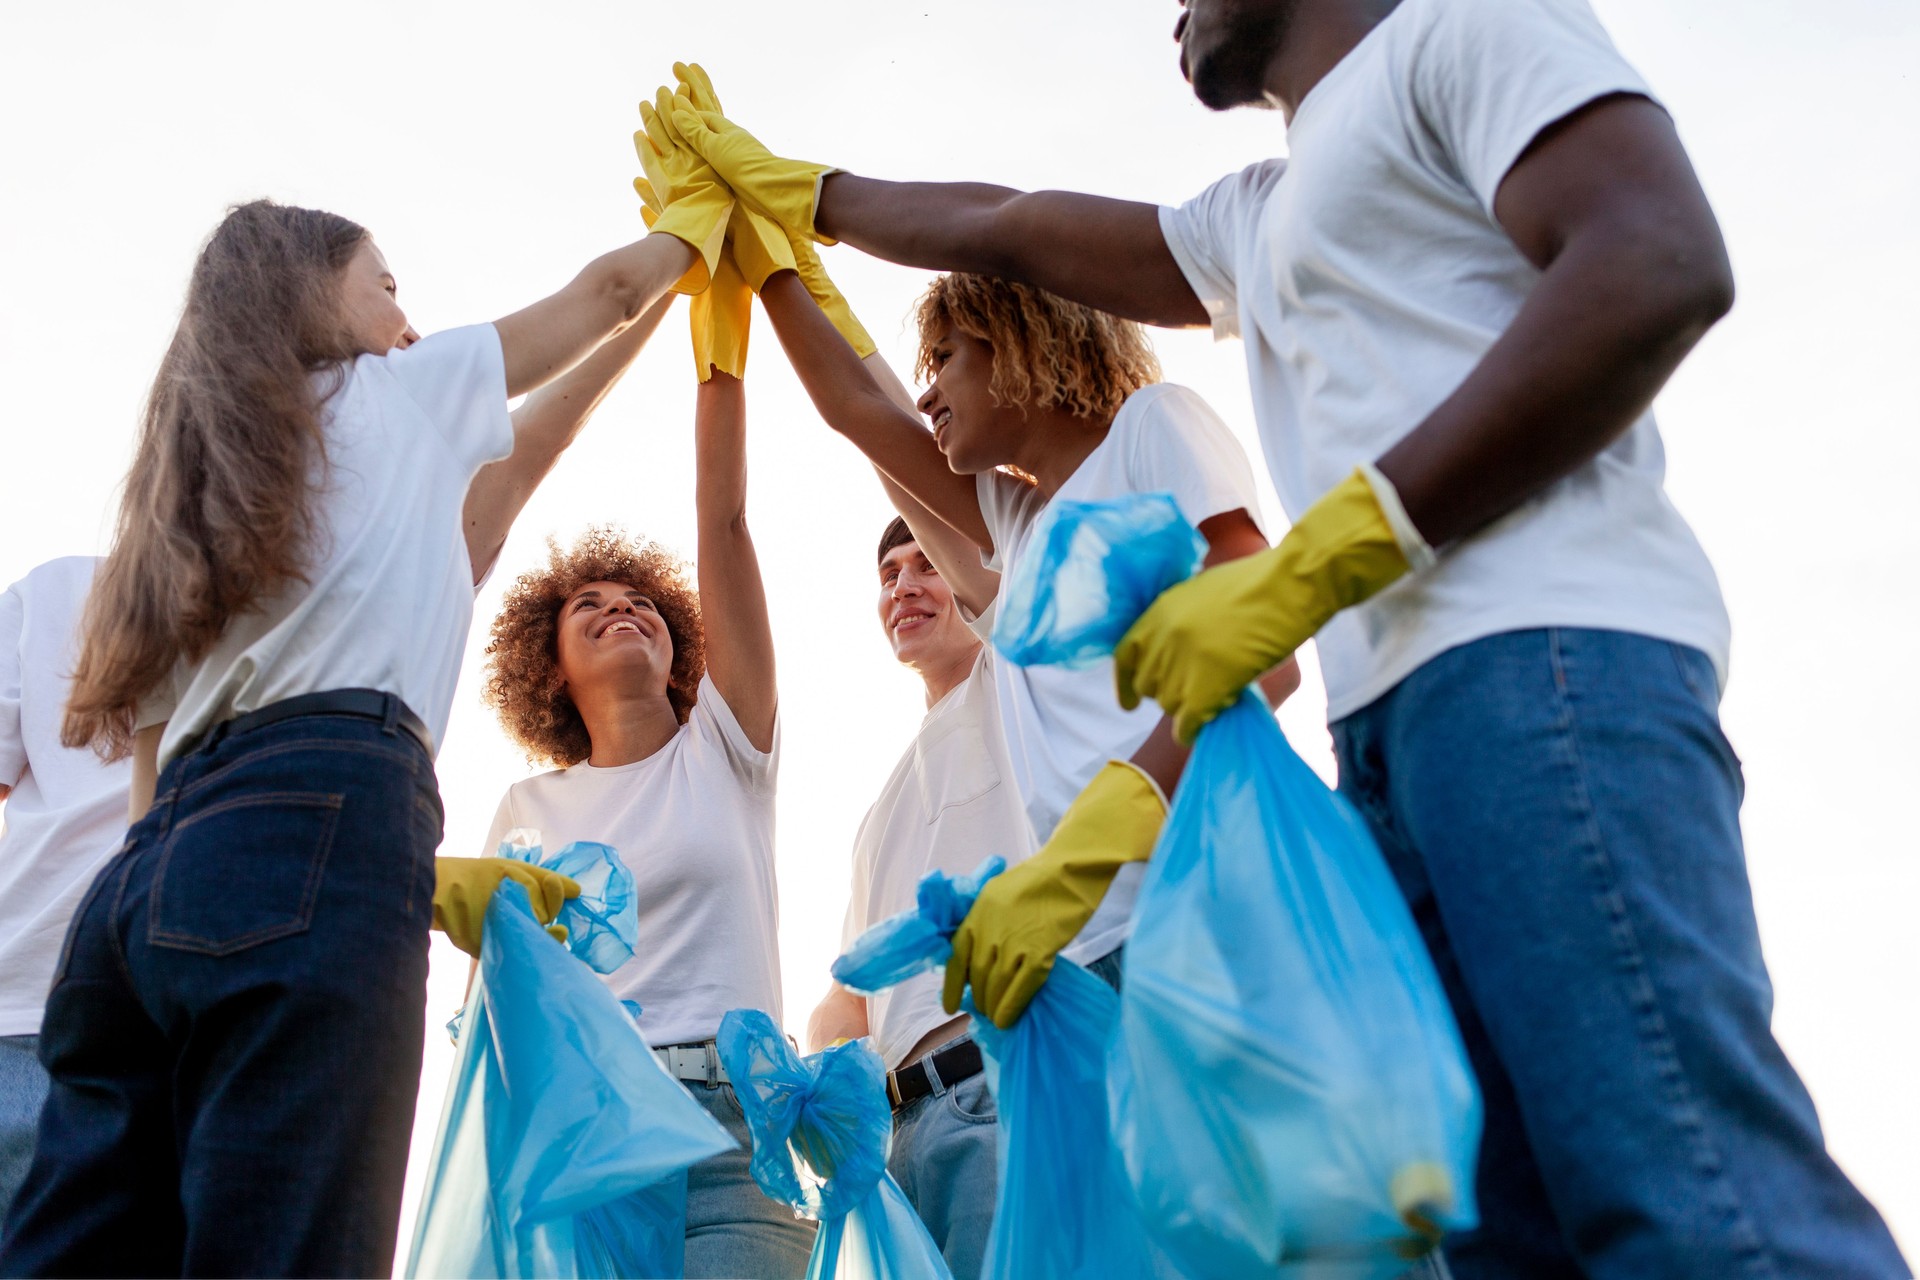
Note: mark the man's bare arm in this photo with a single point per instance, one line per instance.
(1105, 253)
(1634, 271)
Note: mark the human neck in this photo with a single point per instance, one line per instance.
(943, 678)
(1055, 443)
(626, 727)
(1321, 33)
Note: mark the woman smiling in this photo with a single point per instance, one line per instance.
(659, 707)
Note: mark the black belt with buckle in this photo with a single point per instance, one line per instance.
(948, 1066)
(363, 704)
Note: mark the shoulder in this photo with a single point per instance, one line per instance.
(1163, 413)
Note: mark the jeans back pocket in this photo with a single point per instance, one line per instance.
(241, 872)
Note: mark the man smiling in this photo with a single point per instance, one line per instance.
(949, 803)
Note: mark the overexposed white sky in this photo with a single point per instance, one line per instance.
(486, 145)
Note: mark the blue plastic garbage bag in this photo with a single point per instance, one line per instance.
(603, 923)
(564, 1145)
(1064, 1207)
(1287, 1085)
(821, 1127)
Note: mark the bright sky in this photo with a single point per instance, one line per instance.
(488, 150)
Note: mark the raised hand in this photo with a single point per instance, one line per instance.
(694, 204)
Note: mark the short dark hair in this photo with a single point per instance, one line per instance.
(896, 534)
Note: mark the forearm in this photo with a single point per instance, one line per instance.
(542, 341)
(842, 1015)
(952, 553)
(543, 428)
(733, 597)
(857, 406)
(1106, 253)
(1582, 360)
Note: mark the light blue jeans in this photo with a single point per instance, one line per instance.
(733, 1228)
(944, 1157)
(23, 1088)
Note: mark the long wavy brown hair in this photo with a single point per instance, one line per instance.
(217, 513)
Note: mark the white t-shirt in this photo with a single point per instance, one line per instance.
(1062, 724)
(694, 823)
(949, 805)
(67, 813)
(390, 592)
(1367, 276)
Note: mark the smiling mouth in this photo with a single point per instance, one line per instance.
(940, 423)
(906, 620)
(622, 627)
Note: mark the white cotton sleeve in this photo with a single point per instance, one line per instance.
(1177, 444)
(1206, 236)
(1008, 505)
(1490, 75)
(458, 377)
(713, 721)
(13, 743)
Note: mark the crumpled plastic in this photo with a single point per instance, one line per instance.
(603, 923)
(1287, 1085)
(1063, 1207)
(564, 1145)
(821, 1127)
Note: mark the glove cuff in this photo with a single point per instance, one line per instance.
(1116, 818)
(1413, 545)
(702, 225)
(813, 212)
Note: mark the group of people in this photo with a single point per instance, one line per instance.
(1459, 293)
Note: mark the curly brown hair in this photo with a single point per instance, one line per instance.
(1048, 353)
(524, 686)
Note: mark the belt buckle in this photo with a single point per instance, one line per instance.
(893, 1090)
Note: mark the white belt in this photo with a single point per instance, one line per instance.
(699, 1062)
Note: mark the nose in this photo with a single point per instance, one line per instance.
(907, 585)
(620, 604)
(928, 401)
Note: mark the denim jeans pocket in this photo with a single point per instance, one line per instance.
(972, 1102)
(243, 872)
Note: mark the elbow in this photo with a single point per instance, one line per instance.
(1690, 280)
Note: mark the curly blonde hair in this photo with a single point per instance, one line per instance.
(523, 682)
(1048, 353)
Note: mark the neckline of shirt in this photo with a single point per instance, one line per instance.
(1343, 68)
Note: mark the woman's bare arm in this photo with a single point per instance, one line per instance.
(544, 340)
(543, 427)
(733, 599)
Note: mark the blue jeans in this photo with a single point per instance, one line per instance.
(733, 1227)
(23, 1090)
(945, 1156)
(1562, 812)
(235, 1025)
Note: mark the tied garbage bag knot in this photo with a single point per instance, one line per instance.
(913, 942)
(1286, 1085)
(563, 1146)
(603, 923)
(821, 1127)
(1062, 1207)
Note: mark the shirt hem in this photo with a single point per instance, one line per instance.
(1370, 691)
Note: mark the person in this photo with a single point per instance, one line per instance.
(1484, 255)
(1070, 399)
(949, 801)
(275, 637)
(657, 704)
(65, 813)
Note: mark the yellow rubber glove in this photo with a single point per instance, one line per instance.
(1006, 945)
(759, 245)
(827, 296)
(720, 316)
(695, 203)
(1206, 639)
(462, 888)
(788, 191)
